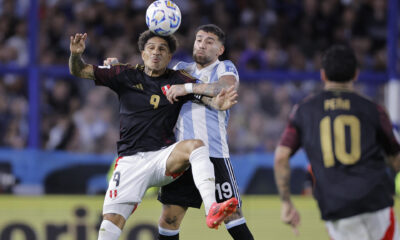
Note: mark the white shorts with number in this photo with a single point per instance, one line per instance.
(379, 225)
(133, 175)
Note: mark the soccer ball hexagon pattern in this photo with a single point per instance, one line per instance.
(163, 17)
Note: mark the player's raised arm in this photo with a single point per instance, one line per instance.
(77, 66)
(223, 101)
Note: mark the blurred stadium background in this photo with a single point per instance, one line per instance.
(58, 133)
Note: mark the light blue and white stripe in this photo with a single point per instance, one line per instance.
(200, 122)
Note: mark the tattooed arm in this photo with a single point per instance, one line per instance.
(77, 66)
(212, 89)
(282, 172)
(206, 89)
(223, 101)
(289, 213)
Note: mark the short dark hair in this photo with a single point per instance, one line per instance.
(339, 63)
(146, 35)
(212, 28)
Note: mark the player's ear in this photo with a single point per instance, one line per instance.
(169, 56)
(221, 50)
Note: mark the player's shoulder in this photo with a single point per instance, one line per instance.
(369, 105)
(186, 75)
(311, 99)
(181, 76)
(120, 67)
(184, 66)
(364, 103)
(307, 104)
(363, 98)
(138, 67)
(227, 63)
(227, 66)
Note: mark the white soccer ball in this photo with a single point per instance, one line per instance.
(163, 17)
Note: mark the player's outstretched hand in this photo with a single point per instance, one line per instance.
(176, 91)
(290, 215)
(110, 61)
(226, 98)
(77, 43)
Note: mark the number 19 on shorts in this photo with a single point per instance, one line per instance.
(224, 191)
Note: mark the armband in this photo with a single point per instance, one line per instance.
(189, 87)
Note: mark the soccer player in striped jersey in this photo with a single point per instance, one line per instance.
(349, 141)
(197, 121)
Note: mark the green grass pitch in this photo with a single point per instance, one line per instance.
(64, 215)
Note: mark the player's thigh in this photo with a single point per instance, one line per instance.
(172, 216)
(133, 175)
(348, 228)
(129, 181)
(158, 161)
(178, 160)
(225, 180)
(382, 224)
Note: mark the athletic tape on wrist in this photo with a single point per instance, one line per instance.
(189, 87)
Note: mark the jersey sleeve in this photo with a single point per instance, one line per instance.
(386, 136)
(183, 77)
(178, 66)
(107, 75)
(227, 68)
(290, 137)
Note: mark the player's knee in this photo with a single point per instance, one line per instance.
(195, 143)
(116, 219)
(169, 221)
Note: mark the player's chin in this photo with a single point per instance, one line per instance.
(157, 66)
(201, 59)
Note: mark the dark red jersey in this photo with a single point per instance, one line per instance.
(345, 137)
(146, 117)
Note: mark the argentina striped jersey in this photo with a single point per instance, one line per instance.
(197, 121)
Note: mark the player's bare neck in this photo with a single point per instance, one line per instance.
(153, 73)
(329, 85)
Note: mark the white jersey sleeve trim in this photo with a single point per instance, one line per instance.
(226, 68)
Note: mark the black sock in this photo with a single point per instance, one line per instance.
(241, 232)
(163, 237)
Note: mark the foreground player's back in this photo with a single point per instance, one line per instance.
(343, 135)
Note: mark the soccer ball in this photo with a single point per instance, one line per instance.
(163, 17)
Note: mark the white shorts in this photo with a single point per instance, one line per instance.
(133, 175)
(379, 225)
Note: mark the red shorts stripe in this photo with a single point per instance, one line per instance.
(116, 162)
(390, 231)
(174, 175)
(134, 208)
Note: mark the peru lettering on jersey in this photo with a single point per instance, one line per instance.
(196, 121)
